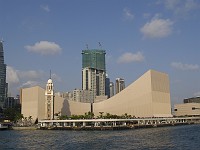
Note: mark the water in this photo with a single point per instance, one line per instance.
(178, 137)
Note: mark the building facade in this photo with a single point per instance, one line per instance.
(148, 96)
(81, 96)
(94, 72)
(12, 102)
(190, 107)
(3, 85)
(119, 85)
(33, 102)
(187, 109)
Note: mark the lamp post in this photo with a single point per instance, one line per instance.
(91, 102)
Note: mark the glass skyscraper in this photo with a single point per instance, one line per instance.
(94, 71)
(2, 76)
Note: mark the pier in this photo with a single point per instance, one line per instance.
(114, 124)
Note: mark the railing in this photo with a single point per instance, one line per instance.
(136, 122)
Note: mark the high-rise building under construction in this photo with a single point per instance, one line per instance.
(94, 72)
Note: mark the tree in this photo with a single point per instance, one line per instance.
(19, 116)
(30, 120)
(63, 117)
(101, 115)
(12, 114)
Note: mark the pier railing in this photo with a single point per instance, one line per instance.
(115, 123)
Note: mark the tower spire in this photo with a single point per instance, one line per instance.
(50, 74)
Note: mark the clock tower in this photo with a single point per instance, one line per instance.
(49, 100)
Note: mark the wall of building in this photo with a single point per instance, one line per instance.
(33, 102)
(148, 96)
(41, 103)
(187, 109)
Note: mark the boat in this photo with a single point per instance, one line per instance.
(3, 126)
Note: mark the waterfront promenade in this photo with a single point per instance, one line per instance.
(115, 124)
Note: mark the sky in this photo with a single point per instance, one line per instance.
(137, 35)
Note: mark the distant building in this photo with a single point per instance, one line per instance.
(119, 85)
(107, 88)
(81, 96)
(190, 107)
(12, 102)
(192, 100)
(94, 71)
(112, 89)
(3, 85)
(67, 95)
(187, 109)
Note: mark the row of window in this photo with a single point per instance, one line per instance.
(193, 108)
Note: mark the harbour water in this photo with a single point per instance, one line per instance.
(185, 137)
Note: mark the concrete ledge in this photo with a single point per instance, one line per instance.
(24, 128)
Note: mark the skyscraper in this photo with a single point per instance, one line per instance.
(111, 89)
(2, 76)
(94, 71)
(107, 86)
(119, 85)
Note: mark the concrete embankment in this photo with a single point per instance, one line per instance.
(86, 128)
(24, 128)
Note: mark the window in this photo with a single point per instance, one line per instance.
(175, 109)
(193, 108)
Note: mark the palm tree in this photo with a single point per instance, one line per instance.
(30, 120)
(108, 115)
(101, 114)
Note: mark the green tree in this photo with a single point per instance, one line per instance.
(63, 117)
(12, 114)
(87, 115)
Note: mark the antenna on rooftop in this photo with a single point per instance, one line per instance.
(50, 74)
(100, 45)
(87, 46)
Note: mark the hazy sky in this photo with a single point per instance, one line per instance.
(137, 35)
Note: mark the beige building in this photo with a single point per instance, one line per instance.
(149, 96)
(187, 109)
(33, 102)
